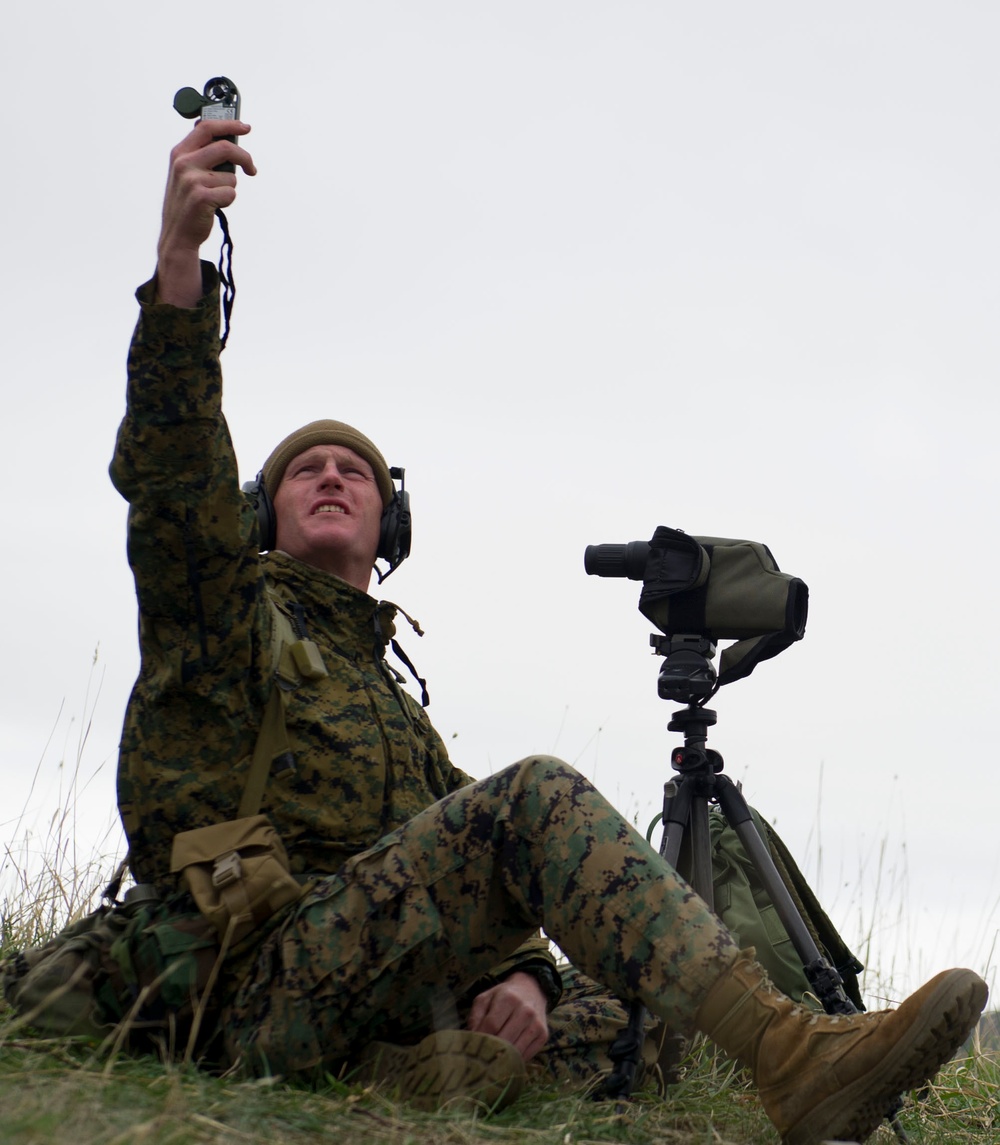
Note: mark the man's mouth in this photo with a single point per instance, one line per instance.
(330, 509)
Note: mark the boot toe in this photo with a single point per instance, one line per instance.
(906, 1049)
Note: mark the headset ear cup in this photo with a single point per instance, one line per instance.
(256, 494)
(394, 538)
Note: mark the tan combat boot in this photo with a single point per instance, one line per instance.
(450, 1067)
(823, 1076)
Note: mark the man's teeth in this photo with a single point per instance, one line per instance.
(329, 509)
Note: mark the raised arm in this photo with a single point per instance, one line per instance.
(190, 528)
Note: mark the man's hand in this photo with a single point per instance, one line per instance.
(515, 1011)
(194, 191)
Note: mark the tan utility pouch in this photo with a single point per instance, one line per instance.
(237, 873)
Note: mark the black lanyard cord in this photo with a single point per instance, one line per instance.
(226, 276)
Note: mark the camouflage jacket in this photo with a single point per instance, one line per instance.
(366, 756)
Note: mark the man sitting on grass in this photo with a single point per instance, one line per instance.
(412, 952)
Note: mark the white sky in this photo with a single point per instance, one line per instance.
(583, 268)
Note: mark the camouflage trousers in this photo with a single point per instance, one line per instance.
(435, 905)
(582, 1028)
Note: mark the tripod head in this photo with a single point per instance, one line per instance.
(687, 675)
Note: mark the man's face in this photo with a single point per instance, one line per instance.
(328, 511)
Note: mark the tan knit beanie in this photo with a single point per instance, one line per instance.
(326, 433)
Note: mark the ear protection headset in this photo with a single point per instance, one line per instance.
(394, 535)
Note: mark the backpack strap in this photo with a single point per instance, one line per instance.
(110, 892)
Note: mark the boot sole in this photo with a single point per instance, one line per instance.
(944, 1022)
(457, 1068)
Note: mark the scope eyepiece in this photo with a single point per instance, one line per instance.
(617, 560)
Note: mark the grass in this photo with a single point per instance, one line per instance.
(46, 1097)
(61, 1090)
(54, 1091)
(45, 881)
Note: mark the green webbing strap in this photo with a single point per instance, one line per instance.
(111, 890)
(272, 741)
(295, 659)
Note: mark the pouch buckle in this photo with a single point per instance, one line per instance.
(227, 870)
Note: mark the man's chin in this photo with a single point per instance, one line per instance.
(335, 550)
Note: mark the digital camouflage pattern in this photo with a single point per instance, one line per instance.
(581, 1030)
(414, 901)
(367, 954)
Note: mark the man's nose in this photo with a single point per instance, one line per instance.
(331, 475)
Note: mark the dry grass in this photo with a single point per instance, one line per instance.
(46, 881)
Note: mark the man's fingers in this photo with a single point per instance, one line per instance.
(501, 1013)
(233, 153)
(206, 146)
(524, 1033)
(219, 151)
(194, 192)
(196, 186)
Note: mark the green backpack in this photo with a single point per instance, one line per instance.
(743, 904)
(138, 972)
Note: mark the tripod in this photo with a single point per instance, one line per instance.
(687, 676)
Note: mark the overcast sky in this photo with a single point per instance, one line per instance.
(583, 269)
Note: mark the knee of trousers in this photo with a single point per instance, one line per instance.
(534, 790)
(546, 771)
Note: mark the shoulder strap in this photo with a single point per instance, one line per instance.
(271, 753)
(294, 658)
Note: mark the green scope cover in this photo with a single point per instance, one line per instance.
(723, 589)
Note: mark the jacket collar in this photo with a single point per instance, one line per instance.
(356, 622)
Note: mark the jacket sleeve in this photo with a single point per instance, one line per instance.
(191, 532)
(533, 957)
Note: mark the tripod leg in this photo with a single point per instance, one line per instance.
(701, 852)
(677, 797)
(824, 979)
